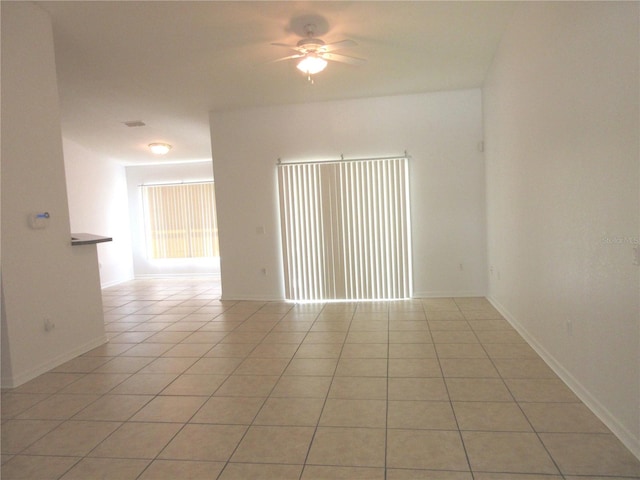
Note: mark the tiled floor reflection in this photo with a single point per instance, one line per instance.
(191, 387)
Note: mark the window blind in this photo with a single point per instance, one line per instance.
(180, 220)
(345, 229)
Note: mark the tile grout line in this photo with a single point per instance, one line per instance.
(138, 295)
(326, 397)
(247, 355)
(446, 386)
(386, 419)
(151, 461)
(159, 395)
(517, 403)
(228, 461)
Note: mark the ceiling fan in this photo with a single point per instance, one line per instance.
(314, 53)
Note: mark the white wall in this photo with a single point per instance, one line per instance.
(97, 193)
(164, 173)
(562, 122)
(440, 131)
(43, 276)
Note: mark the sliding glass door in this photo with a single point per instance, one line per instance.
(345, 229)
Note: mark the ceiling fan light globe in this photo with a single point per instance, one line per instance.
(312, 64)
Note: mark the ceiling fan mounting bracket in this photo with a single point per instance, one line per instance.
(300, 25)
(309, 29)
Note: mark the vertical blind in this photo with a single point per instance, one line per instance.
(180, 220)
(345, 229)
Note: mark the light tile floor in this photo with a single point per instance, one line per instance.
(191, 387)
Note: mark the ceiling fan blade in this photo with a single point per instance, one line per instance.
(330, 47)
(299, 55)
(344, 59)
(292, 47)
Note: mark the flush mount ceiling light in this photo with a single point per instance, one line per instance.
(159, 148)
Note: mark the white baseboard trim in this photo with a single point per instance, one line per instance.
(447, 294)
(416, 295)
(23, 377)
(175, 275)
(609, 419)
(250, 298)
(115, 282)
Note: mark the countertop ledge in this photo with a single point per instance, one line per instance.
(88, 239)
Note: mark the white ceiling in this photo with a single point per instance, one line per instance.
(170, 63)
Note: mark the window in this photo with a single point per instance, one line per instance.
(180, 220)
(345, 229)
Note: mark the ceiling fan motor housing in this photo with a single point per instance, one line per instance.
(311, 44)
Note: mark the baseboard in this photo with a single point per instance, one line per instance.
(416, 295)
(157, 275)
(175, 275)
(610, 420)
(16, 380)
(114, 283)
(250, 298)
(447, 294)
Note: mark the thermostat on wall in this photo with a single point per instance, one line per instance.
(39, 220)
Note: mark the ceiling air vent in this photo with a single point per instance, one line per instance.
(135, 123)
